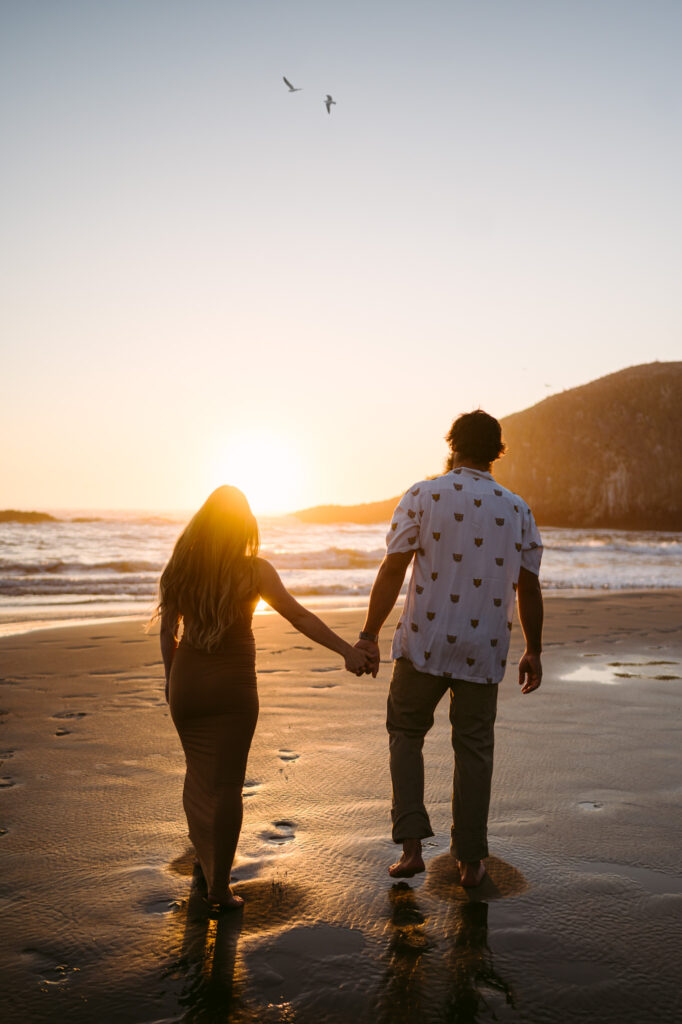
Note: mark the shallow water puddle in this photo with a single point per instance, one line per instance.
(612, 673)
(591, 674)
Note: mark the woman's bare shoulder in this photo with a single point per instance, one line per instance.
(265, 572)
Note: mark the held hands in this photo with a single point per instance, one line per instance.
(530, 672)
(358, 662)
(372, 651)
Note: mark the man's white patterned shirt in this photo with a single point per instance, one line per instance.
(471, 537)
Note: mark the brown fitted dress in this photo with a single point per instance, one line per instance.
(214, 706)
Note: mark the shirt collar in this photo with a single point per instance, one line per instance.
(474, 472)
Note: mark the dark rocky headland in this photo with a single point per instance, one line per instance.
(602, 455)
(13, 515)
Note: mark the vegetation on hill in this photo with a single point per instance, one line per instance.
(602, 455)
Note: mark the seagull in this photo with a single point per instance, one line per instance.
(292, 88)
(328, 103)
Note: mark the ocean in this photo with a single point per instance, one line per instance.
(107, 564)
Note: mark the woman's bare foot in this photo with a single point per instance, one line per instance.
(228, 901)
(411, 862)
(471, 873)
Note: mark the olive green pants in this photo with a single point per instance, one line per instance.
(412, 700)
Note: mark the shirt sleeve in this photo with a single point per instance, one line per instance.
(531, 551)
(403, 533)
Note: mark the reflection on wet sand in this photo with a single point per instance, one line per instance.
(207, 964)
(211, 965)
(440, 966)
(461, 985)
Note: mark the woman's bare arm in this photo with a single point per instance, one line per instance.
(168, 644)
(273, 591)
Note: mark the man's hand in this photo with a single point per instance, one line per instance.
(530, 672)
(372, 650)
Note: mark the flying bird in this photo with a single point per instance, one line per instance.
(328, 103)
(292, 88)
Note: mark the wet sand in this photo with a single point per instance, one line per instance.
(579, 919)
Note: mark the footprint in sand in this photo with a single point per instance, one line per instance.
(70, 714)
(272, 671)
(6, 782)
(3, 831)
(6, 754)
(287, 755)
(251, 788)
(589, 805)
(286, 833)
(159, 905)
(331, 668)
(322, 686)
(63, 732)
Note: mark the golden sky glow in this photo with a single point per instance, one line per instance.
(266, 467)
(200, 264)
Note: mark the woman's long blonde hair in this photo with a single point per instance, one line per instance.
(211, 571)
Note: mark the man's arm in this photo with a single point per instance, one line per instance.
(384, 595)
(531, 614)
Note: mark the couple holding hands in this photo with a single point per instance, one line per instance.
(475, 552)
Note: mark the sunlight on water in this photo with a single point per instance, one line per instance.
(85, 566)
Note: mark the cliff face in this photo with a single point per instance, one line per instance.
(606, 454)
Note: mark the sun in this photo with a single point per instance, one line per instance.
(266, 468)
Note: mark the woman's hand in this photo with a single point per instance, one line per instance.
(358, 662)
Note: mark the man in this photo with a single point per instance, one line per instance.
(476, 550)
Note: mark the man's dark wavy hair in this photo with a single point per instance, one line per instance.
(476, 436)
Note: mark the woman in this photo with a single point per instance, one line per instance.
(211, 585)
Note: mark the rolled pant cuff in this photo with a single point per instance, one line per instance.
(411, 826)
(469, 852)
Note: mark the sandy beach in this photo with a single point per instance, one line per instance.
(579, 919)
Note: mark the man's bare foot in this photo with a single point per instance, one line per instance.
(411, 862)
(471, 873)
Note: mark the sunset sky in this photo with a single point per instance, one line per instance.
(207, 279)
